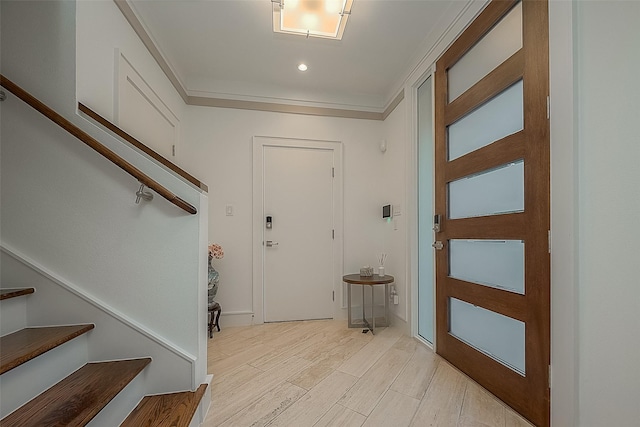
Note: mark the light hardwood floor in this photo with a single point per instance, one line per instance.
(321, 373)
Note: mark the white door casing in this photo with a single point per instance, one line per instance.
(299, 277)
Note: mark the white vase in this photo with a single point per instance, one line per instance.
(381, 271)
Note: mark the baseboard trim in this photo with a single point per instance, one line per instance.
(399, 323)
(236, 318)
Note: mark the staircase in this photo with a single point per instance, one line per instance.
(78, 398)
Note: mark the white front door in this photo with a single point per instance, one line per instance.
(298, 276)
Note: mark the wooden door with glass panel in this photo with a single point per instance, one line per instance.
(492, 198)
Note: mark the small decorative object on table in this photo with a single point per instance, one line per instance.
(366, 271)
(382, 258)
(215, 251)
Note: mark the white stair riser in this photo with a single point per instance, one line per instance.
(120, 406)
(23, 383)
(205, 404)
(13, 314)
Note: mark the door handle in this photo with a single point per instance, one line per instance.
(271, 243)
(438, 245)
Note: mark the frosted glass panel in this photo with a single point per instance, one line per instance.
(499, 337)
(495, 263)
(493, 192)
(497, 46)
(501, 116)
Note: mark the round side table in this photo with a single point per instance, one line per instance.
(370, 281)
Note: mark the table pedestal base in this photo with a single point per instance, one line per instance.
(372, 322)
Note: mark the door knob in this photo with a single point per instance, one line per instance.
(438, 245)
(271, 243)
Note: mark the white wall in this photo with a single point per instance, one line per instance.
(101, 30)
(170, 371)
(395, 191)
(119, 79)
(595, 309)
(607, 47)
(564, 277)
(208, 152)
(602, 298)
(74, 213)
(218, 149)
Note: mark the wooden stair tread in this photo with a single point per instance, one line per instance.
(15, 292)
(26, 344)
(166, 410)
(75, 400)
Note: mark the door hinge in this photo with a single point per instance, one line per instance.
(333, 172)
(548, 108)
(173, 150)
(549, 376)
(549, 239)
(333, 295)
(333, 234)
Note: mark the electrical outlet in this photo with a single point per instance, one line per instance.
(229, 210)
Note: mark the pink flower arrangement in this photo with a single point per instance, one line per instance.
(215, 251)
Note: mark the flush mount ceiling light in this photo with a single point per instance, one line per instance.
(311, 18)
(302, 67)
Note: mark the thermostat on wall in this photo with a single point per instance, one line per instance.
(387, 211)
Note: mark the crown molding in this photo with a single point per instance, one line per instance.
(393, 104)
(283, 108)
(276, 107)
(456, 18)
(149, 43)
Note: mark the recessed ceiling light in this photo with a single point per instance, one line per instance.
(302, 67)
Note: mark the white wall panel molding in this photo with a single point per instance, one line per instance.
(141, 111)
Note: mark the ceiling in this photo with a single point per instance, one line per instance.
(226, 49)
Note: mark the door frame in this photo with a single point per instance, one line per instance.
(428, 74)
(259, 143)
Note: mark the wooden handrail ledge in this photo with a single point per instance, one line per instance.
(95, 144)
(142, 147)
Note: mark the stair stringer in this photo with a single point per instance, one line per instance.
(115, 336)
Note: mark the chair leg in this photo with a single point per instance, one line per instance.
(218, 319)
(212, 314)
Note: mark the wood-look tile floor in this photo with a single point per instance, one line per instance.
(321, 373)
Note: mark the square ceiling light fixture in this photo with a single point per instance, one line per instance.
(311, 18)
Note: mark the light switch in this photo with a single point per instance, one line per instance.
(229, 210)
(397, 210)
